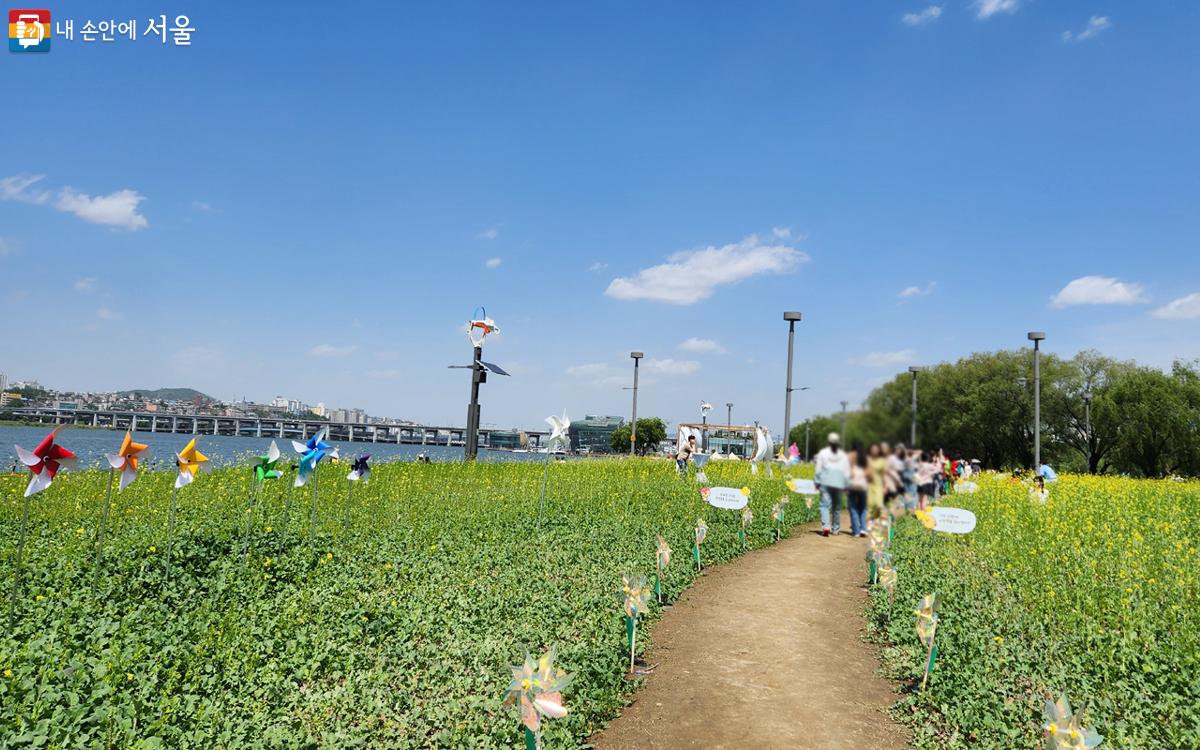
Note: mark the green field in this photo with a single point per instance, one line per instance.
(397, 634)
(1094, 593)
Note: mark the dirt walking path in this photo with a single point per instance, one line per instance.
(764, 652)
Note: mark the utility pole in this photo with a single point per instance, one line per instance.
(635, 356)
(912, 436)
(1087, 425)
(807, 425)
(791, 317)
(844, 404)
(1037, 337)
(729, 413)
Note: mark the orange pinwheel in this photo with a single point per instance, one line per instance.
(126, 460)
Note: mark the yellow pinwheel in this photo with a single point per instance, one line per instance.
(189, 460)
(1064, 730)
(537, 688)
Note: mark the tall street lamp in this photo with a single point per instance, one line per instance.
(635, 356)
(844, 404)
(791, 317)
(912, 433)
(478, 329)
(705, 408)
(729, 413)
(1037, 337)
(807, 425)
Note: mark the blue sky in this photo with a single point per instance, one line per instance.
(305, 201)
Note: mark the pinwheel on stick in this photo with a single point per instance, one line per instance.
(662, 558)
(125, 461)
(536, 688)
(887, 579)
(701, 533)
(1064, 730)
(560, 428)
(360, 471)
(927, 622)
(189, 460)
(264, 469)
(747, 520)
(635, 598)
(311, 454)
(43, 462)
(777, 517)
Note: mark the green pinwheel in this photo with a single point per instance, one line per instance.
(264, 469)
(927, 623)
(1064, 729)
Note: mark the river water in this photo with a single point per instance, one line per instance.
(91, 445)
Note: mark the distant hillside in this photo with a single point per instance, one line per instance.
(168, 394)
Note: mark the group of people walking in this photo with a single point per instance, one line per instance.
(871, 480)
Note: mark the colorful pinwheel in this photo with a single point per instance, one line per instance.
(927, 622)
(747, 520)
(701, 533)
(537, 688)
(359, 470)
(311, 454)
(189, 460)
(265, 467)
(44, 461)
(635, 598)
(662, 558)
(1064, 729)
(126, 459)
(560, 428)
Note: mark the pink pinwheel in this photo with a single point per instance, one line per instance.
(45, 461)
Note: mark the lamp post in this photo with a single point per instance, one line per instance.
(807, 425)
(705, 408)
(729, 413)
(635, 356)
(1037, 337)
(844, 404)
(478, 329)
(912, 434)
(1087, 425)
(791, 317)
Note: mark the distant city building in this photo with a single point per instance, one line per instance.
(593, 434)
(66, 405)
(508, 440)
(3, 382)
(319, 409)
(279, 402)
(737, 442)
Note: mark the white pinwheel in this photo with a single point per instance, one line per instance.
(559, 430)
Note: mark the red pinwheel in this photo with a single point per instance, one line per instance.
(45, 461)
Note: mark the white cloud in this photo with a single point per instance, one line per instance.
(117, 209)
(197, 359)
(86, 284)
(923, 17)
(599, 374)
(781, 233)
(672, 366)
(706, 346)
(1184, 308)
(985, 9)
(1099, 290)
(492, 263)
(105, 314)
(918, 291)
(489, 234)
(693, 275)
(590, 370)
(885, 359)
(597, 266)
(1095, 25)
(329, 350)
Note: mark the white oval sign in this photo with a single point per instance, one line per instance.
(803, 486)
(953, 520)
(729, 498)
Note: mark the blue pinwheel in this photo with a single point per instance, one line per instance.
(311, 454)
(359, 469)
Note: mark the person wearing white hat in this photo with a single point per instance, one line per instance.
(831, 477)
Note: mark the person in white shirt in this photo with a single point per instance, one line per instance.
(831, 477)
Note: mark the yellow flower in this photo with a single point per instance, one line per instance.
(153, 549)
(387, 566)
(79, 532)
(8, 673)
(129, 676)
(433, 548)
(267, 563)
(999, 639)
(746, 491)
(268, 529)
(40, 598)
(328, 555)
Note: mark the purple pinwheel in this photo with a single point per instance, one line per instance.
(360, 469)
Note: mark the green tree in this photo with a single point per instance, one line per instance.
(650, 432)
